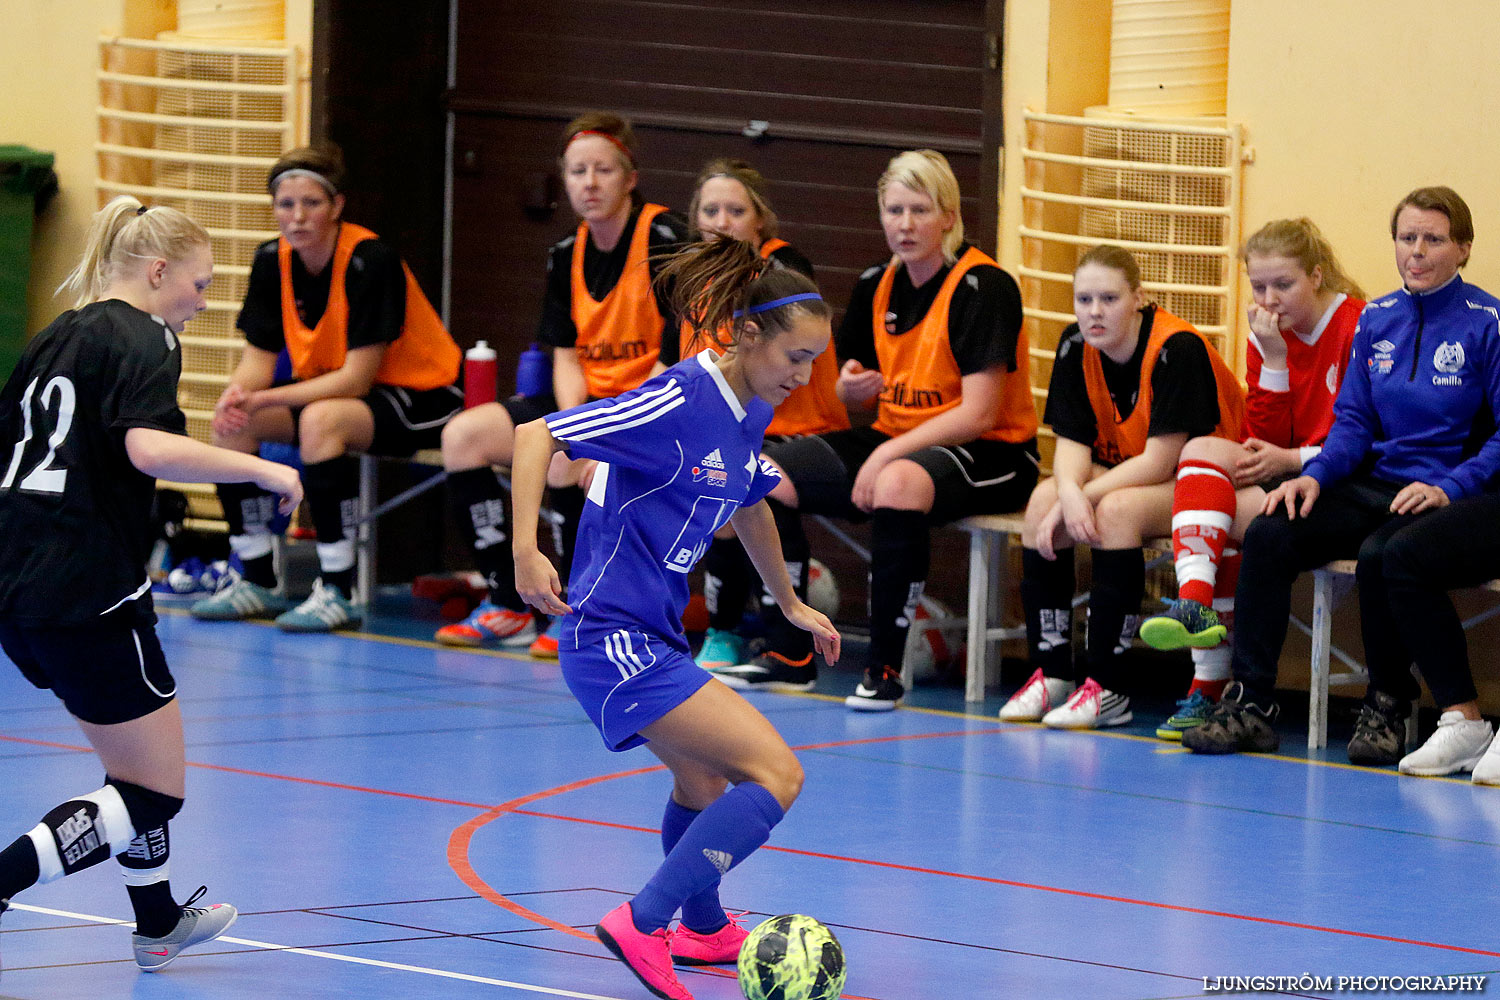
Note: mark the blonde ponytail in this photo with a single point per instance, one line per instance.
(123, 229)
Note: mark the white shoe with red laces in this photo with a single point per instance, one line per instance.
(1090, 707)
(1038, 696)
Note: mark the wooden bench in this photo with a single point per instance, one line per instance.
(990, 534)
(1330, 584)
(989, 541)
(989, 538)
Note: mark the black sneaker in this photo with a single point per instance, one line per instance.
(4, 905)
(879, 691)
(770, 671)
(1379, 738)
(1235, 726)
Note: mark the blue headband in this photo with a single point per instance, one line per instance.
(774, 303)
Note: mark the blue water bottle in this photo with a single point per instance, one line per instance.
(534, 372)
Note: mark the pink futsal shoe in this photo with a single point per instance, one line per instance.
(722, 947)
(647, 955)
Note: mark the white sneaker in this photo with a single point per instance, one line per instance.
(1091, 707)
(1458, 745)
(1487, 771)
(1038, 696)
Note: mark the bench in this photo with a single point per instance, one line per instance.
(370, 512)
(989, 534)
(1331, 583)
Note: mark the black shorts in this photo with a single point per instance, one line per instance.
(525, 409)
(406, 420)
(980, 477)
(104, 675)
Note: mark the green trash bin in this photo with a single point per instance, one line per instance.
(27, 182)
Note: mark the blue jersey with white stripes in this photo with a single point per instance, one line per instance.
(678, 456)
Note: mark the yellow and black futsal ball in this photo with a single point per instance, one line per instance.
(791, 957)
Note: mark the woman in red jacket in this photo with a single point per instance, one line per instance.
(1302, 320)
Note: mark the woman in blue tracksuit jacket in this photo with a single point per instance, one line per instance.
(1413, 430)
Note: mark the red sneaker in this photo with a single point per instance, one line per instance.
(644, 954)
(489, 623)
(722, 947)
(544, 647)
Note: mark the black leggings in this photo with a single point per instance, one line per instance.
(1349, 519)
(1458, 546)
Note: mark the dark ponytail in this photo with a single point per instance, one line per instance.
(717, 284)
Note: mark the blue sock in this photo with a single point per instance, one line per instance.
(719, 838)
(703, 912)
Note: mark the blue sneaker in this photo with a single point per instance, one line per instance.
(721, 648)
(1186, 623)
(1191, 713)
(325, 609)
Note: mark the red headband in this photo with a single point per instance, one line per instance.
(629, 158)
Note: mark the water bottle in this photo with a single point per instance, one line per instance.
(481, 374)
(534, 372)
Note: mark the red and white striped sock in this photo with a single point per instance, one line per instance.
(1203, 508)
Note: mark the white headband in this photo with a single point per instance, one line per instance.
(326, 184)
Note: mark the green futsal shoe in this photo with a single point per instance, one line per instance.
(1186, 623)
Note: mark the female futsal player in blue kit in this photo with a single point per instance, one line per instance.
(678, 458)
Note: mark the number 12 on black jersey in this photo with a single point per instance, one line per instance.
(44, 477)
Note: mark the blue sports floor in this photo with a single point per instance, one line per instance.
(396, 820)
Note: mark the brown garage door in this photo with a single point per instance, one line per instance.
(818, 95)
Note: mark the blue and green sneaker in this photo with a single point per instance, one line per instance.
(1191, 713)
(1186, 623)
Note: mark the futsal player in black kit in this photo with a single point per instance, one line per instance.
(88, 420)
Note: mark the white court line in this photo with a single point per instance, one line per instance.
(353, 959)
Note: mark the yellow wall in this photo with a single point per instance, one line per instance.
(1343, 120)
(49, 55)
(1346, 119)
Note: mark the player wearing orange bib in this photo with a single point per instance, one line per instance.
(609, 330)
(1130, 385)
(934, 341)
(372, 370)
(730, 199)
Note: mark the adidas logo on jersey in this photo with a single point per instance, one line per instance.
(711, 468)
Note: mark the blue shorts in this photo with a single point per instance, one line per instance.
(627, 680)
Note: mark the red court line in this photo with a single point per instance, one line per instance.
(459, 840)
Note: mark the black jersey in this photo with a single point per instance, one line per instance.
(984, 319)
(1184, 394)
(601, 272)
(74, 512)
(374, 285)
